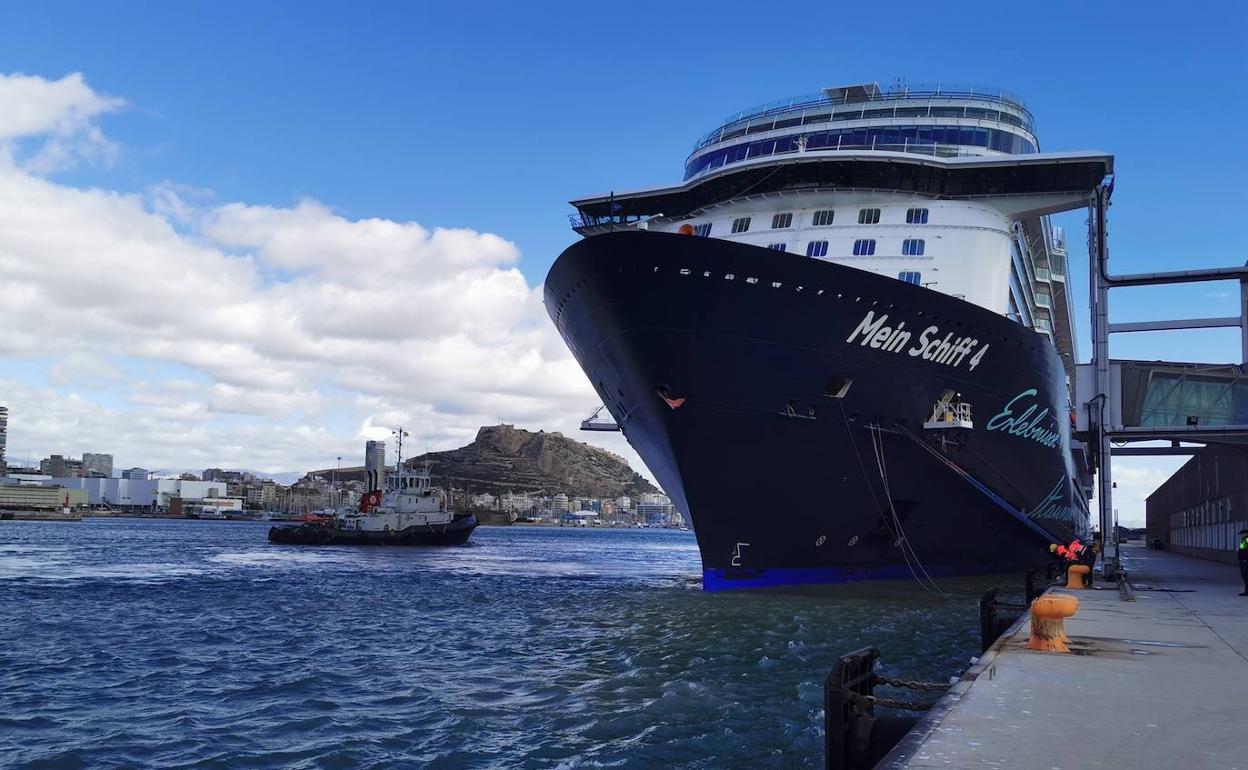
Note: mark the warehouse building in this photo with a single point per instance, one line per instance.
(23, 497)
(1201, 508)
(141, 493)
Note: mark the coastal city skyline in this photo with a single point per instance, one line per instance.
(104, 487)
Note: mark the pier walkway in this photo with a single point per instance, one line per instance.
(1159, 682)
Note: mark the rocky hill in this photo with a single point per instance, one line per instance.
(505, 457)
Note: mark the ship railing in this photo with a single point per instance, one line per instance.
(948, 413)
(936, 150)
(915, 92)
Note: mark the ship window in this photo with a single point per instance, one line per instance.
(912, 247)
(741, 224)
(781, 221)
(864, 247)
(868, 216)
(703, 230)
(916, 216)
(823, 218)
(817, 249)
(778, 247)
(911, 276)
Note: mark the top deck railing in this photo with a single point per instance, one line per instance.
(916, 92)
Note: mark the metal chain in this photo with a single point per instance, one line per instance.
(912, 684)
(890, 703)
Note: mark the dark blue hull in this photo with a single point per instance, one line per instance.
(456, 532)
(784, 482)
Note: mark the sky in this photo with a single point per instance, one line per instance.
(254, 234)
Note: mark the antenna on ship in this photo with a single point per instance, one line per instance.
(398, 463)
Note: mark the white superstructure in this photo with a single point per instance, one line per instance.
(408, 501)
(997, 251)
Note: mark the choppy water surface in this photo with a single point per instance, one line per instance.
(178, 644)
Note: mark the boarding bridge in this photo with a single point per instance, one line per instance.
(1122, 402)
(1166, 400)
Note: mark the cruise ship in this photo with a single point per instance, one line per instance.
(843, 343)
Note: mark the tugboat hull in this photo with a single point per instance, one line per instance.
(456, 532)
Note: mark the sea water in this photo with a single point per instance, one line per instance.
(196, 644)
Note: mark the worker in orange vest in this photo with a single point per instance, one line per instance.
(1067, 552)
(1071, 554)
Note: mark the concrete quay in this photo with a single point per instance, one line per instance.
(1160, 681)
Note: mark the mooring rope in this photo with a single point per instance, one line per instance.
(898, 536)
(877, 443)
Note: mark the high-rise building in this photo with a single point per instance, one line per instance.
(61, 467)
(375, 460)
(4, 438)
(135, 474)
(99, 465)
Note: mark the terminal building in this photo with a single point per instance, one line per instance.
(137, 493)
(1200, 510)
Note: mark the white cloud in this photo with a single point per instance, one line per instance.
(1135, 478)
(85, 369)
(297, 331)
(59, 114)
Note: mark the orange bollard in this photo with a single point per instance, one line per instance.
(1047, 631)
(1074, 576)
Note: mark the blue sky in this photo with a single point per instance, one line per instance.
(490, 117)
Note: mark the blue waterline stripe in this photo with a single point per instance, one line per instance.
(719, 580)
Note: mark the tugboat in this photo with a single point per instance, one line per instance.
(408, 513)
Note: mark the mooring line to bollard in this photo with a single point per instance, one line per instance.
(911, 684)
(890, 703)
